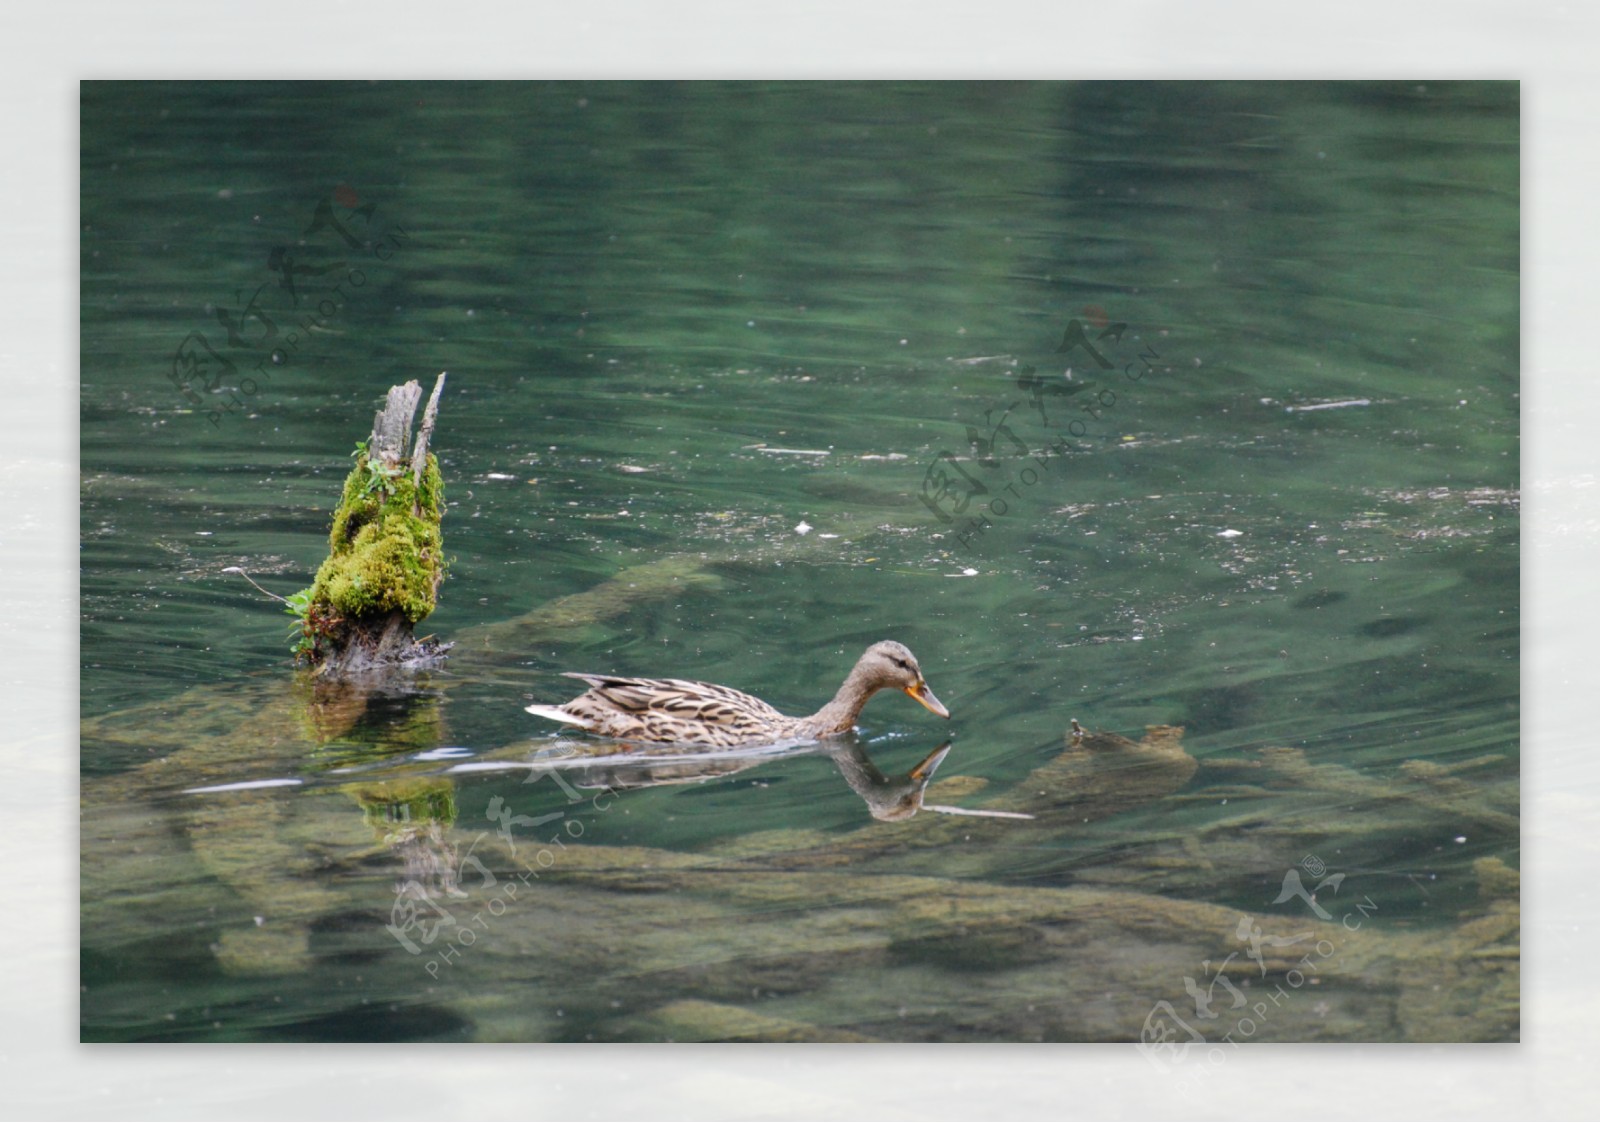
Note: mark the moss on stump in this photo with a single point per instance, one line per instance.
(382, 574)
(385, 551)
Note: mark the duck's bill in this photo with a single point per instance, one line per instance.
(922, 694)
(923, 772)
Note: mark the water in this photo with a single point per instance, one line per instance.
(708, 349)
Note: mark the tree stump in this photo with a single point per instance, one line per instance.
(385, 552)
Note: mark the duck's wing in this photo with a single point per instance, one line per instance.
(672, 709)
(704, 701)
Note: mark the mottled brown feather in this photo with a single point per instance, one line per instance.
(704, 713)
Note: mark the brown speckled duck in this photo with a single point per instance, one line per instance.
(700, 713)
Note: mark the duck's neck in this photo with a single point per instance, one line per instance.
(841, 713)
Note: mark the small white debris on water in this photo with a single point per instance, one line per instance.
(498, 476)
(803, 527)
(1230, 533)
(631, 468)
(975, 812)
(448, 752)
(246, 786)
(1328, 405)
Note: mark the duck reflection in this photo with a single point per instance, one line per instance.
(893, 799)
(635, 765)
(889, 799)
(631, 765)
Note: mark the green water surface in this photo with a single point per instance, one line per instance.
(758, 375)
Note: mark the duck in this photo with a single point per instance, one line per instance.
(679, 711)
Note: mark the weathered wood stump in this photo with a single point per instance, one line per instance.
(386, 557)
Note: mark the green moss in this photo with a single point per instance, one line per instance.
(417, 801)
(385, 550)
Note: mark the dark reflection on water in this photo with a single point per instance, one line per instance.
(706, 343)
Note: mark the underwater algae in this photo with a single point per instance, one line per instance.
(799, 935)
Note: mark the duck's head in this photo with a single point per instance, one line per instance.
(891, 664)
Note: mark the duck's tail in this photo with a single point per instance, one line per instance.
(556, 713)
